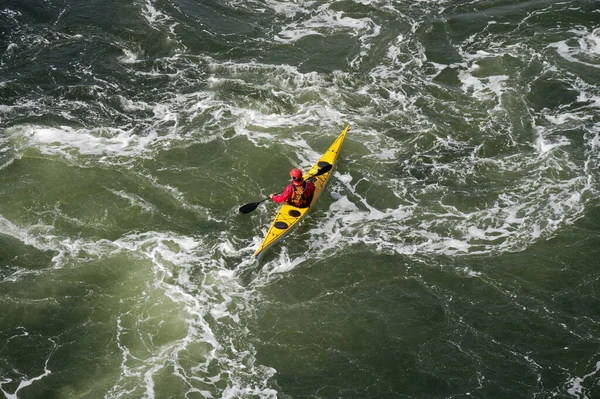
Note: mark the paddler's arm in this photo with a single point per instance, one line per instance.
(287, 194)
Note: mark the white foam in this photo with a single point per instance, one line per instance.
(24, 383)
(136, 201)
(326, 21)
(12, 47)
(575, 384)
(70, 142)
(589, 42)
(395, 51)
(482, 88)
(167, 294)
(288, 9)
(132, 106)
(129, 57)
(562, 118)
(595, 141)
(295, 35)
(152, 15)
(586, 52)
(194, 272)
(510, 224)
(546, 143)
(173, 258)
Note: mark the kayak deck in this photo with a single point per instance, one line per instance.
(288, 215)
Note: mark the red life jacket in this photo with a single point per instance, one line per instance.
(302, 195)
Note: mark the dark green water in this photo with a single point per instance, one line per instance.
(454, 254)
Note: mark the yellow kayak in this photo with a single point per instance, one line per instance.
(288, 215)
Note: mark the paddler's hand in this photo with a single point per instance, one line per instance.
(271, 195)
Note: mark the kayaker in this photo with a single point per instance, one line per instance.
(298, 193)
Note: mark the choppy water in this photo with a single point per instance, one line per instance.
(454, 254)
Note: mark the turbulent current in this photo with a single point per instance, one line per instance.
(454, 253)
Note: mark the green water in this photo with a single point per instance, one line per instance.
(453, 254)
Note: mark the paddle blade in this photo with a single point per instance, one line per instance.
(326, 168)
(251, 206)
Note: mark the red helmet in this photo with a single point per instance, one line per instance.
(296, 174)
